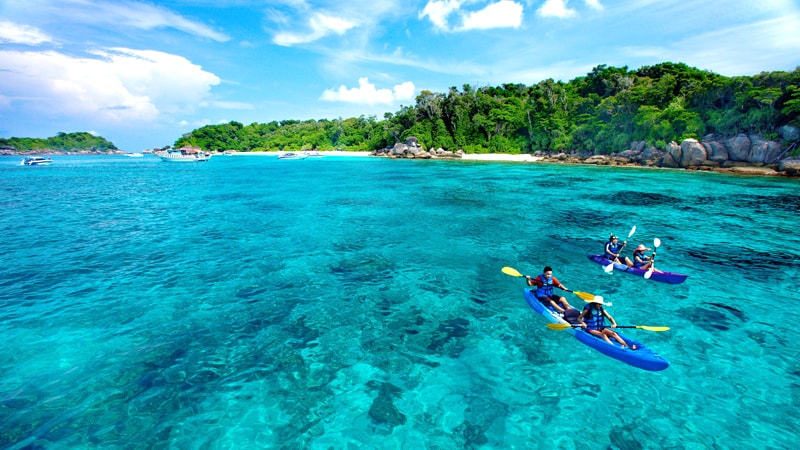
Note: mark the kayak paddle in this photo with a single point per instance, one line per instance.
(564, 326)
(514, 273)
(583, 295)
(649, 273)
(633, 230)
(610, 267)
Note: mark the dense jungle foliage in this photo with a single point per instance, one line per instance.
(63, 142)
(602, 112)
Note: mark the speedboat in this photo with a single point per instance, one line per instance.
(291, 155)
(313, 154)
(36, 161)
(185, 155)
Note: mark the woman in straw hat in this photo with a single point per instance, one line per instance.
(640, 260)
(593, 320)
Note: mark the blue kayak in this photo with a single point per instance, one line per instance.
(643, 357)
(657, 275)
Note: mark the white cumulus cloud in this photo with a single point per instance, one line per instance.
(556, 8)
(112, 86)
(499, 14)
(438, 11)
(367, 93)
(503, 14)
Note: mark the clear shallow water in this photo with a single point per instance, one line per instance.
(358, 303)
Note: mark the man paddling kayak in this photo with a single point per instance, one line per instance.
(544, 292)
(613, 250)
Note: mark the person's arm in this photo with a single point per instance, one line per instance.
(580, 318)
(559, 285)
(608, 250)
(613, 322)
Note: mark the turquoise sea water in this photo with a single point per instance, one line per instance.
(251, 302)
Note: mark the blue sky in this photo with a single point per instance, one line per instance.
(142, 73)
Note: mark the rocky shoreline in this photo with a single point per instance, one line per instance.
(740, 154)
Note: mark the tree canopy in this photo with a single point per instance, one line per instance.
(602, 112)
(62, 142)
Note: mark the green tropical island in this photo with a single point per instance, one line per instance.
(668, 115)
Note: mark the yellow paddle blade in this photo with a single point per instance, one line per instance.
(644, 327)
(511, 271)
(558, 326)
(584, 295)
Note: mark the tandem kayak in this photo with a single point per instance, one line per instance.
(643, 357)
(657, 275)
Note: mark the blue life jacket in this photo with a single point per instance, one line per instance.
(611, 247)
(640, 255)
(596, 319)
(547, 287)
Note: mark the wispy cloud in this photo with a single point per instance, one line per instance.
(12, 33)
(594, 4)
(367, 93)
(319, 26)
(121, 14)
(735, 50)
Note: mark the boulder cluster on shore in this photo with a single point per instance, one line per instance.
(744, 154)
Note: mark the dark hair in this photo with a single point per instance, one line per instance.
(612, 237)
(547, 269)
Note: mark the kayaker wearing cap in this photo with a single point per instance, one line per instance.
(593, 320)
(613, 249)
(640, 260)
(544, 292)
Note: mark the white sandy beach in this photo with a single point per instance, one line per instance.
(500, 157)
(465, 157)
(333, 153)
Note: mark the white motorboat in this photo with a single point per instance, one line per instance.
(185, 155)
(36, 161)
(291, 155)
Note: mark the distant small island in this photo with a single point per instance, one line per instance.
(79, 142)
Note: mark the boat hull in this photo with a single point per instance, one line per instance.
(36, 161)
(657, 275)
(643, 357)
(184, 158)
